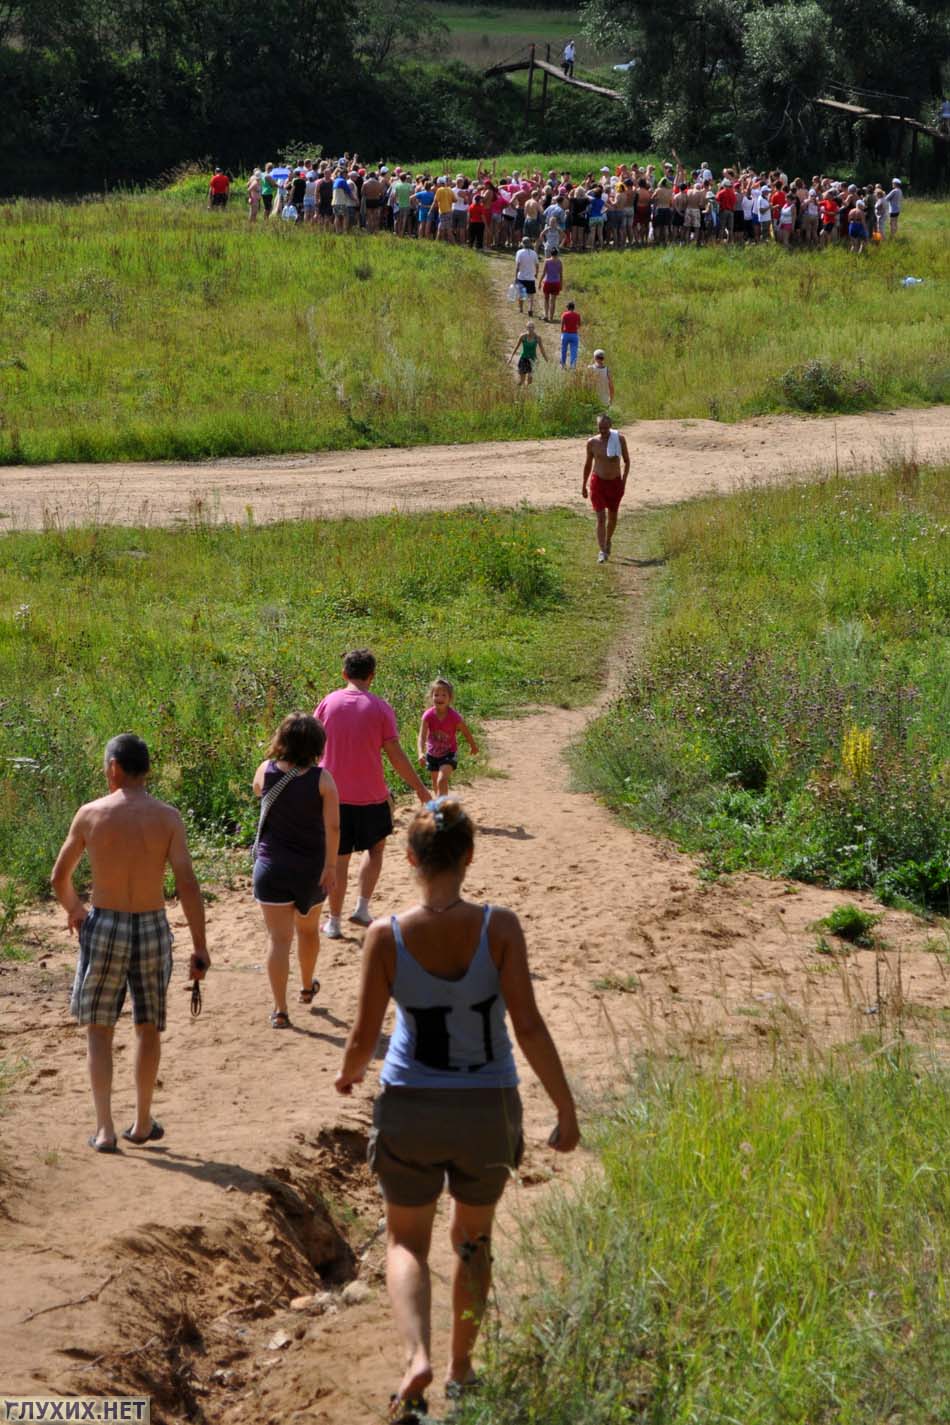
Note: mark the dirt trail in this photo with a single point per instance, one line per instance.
(672, 460)
(196, 1246)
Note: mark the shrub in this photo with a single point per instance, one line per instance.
(850, 923)
(826, 386)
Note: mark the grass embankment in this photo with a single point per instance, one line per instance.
(142, 329)
(791, 707)
(485, 35)
(202, 639)
(754, 1252)
(724, 333)
(147, 328)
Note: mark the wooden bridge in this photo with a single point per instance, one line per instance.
(529, 60)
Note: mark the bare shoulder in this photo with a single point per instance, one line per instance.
(504, 922)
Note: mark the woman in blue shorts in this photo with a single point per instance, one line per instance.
(448, 1109)
(295, 853)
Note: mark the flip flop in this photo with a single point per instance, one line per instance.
(306, 996)
(412, 1410)
(152, 1136)
(108, 1146)
(279, 1019)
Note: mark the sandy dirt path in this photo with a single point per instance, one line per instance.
(194, 1248)
(672, 461)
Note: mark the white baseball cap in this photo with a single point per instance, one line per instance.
(896, 181)
(598, 352)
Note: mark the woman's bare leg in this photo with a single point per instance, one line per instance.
(279, 920)
(471, 1241)
(409, 1234)
(308, 944)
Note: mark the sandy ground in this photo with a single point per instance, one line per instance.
(672, 461)
(170, 1269)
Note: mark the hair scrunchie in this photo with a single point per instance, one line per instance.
(438, 815)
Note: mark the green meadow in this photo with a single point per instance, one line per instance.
(790, 708)
(147, 328)
(756, 1251)
(202, 639)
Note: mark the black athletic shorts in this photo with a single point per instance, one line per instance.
(362, 826)
(448, 759)
(529, 287)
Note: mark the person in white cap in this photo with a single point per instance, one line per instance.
(567, 61)
(895, 201)
(601, 379)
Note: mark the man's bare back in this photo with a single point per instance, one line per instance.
(129, 837)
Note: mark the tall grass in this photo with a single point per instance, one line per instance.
(772, 1252)
(791, 707)
(202, 639)
(144, 328)
(712, 333)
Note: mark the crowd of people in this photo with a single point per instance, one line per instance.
(627, 206)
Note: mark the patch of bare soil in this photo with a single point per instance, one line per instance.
(672, 461)
(171, 1269)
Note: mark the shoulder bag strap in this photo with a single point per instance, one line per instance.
(267, 801)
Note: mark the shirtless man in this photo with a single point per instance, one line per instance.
(124, 938)
(608, 481)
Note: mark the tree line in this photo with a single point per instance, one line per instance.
(95, 93)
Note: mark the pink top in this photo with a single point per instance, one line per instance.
(441, 733)
(357, 724)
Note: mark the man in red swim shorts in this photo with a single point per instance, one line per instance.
(606, 453)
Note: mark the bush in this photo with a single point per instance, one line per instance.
(826, 386)
(850, 923)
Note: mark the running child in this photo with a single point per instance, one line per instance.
(438, 736)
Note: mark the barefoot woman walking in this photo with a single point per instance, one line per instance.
(449, 1107)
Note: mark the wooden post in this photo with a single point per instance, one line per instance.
(913, 154)
(527, 107)
(544, 83)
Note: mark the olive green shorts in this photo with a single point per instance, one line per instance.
(422, 1137)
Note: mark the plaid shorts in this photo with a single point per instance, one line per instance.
(119, 948)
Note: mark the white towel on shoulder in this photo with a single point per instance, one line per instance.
(613, 443)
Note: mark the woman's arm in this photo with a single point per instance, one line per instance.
(531, 1031)
(331, 829)
(375, 991)
(258, 783)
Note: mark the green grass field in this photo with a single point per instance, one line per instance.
(202, 639)
(754, 1252)
(145, 327)
(485, 35)
(791, 708)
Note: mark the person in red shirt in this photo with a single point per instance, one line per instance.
(777, 202)
(477, 218)
(218, 189)
(829, 217)
(570, 339)
(726, 198)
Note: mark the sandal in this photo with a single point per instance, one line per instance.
(306, 996)
(411, 1410)
(279, 1019)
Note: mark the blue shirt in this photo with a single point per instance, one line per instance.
(449, 1033)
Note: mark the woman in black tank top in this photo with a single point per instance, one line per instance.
(295, 853)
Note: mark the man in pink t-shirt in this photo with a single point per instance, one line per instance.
(360, 726)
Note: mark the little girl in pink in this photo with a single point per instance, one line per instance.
(438, 736)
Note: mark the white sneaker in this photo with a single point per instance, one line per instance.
(601, 557)
(360, 917)
(331, 928)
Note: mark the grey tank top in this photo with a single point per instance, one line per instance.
(449, 1033)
